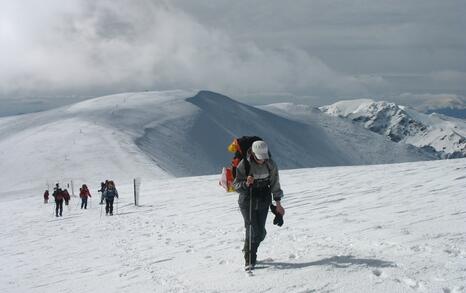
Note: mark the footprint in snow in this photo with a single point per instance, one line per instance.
(377, 272)
(452, 252)
(418, 285)
(405, 231)
(454, 290)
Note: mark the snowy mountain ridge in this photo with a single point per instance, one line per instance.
(444, 136)
(172, 133)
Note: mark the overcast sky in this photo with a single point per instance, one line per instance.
(315, 51)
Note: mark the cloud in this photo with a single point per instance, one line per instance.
(326, 50)
(96, 47)
(452, 77)
(427, 101)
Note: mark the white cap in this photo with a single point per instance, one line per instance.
(260, 150)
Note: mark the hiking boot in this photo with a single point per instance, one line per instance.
(249, 267)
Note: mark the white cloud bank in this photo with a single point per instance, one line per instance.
(305, 50)
(85, 48)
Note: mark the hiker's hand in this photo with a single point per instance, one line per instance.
(249, 180)
(280, 209)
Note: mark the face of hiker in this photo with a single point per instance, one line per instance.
(258, 161)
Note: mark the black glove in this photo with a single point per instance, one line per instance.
(278, 220)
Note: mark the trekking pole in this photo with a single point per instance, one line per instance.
(117, 205)
(250, 228)
(101, 206)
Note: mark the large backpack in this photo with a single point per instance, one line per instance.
(110, 193)
(240, 147)
(58, 194)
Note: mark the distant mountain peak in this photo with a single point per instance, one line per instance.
(209, 97)
(435, 133)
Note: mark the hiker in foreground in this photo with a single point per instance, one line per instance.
(256, 181)
(110, 193)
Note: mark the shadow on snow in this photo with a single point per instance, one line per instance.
(335, 261)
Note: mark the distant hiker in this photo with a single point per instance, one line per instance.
(103, 186)
(66, 196)
(110, 193)
(46, 196)
(84, 194)
(58, 195)
(256, 181)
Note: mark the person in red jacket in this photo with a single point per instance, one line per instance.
(58, 195)
(84, 194)
(66, 196)
(46, 196)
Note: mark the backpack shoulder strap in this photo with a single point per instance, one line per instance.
(247, 166)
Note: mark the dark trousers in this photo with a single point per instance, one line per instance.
(258, 232)
(109, 205)
(258, 219)
(84, 202)
(58, 207)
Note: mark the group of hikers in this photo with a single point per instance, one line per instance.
(255, 178)
(107, 189)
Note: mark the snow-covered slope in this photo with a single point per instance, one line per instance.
(171, 133)
(443, 135)
(379, 228)
(91, 140)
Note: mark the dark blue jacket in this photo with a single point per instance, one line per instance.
(110, 193)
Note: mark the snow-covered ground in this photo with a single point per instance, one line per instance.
(379, 228)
